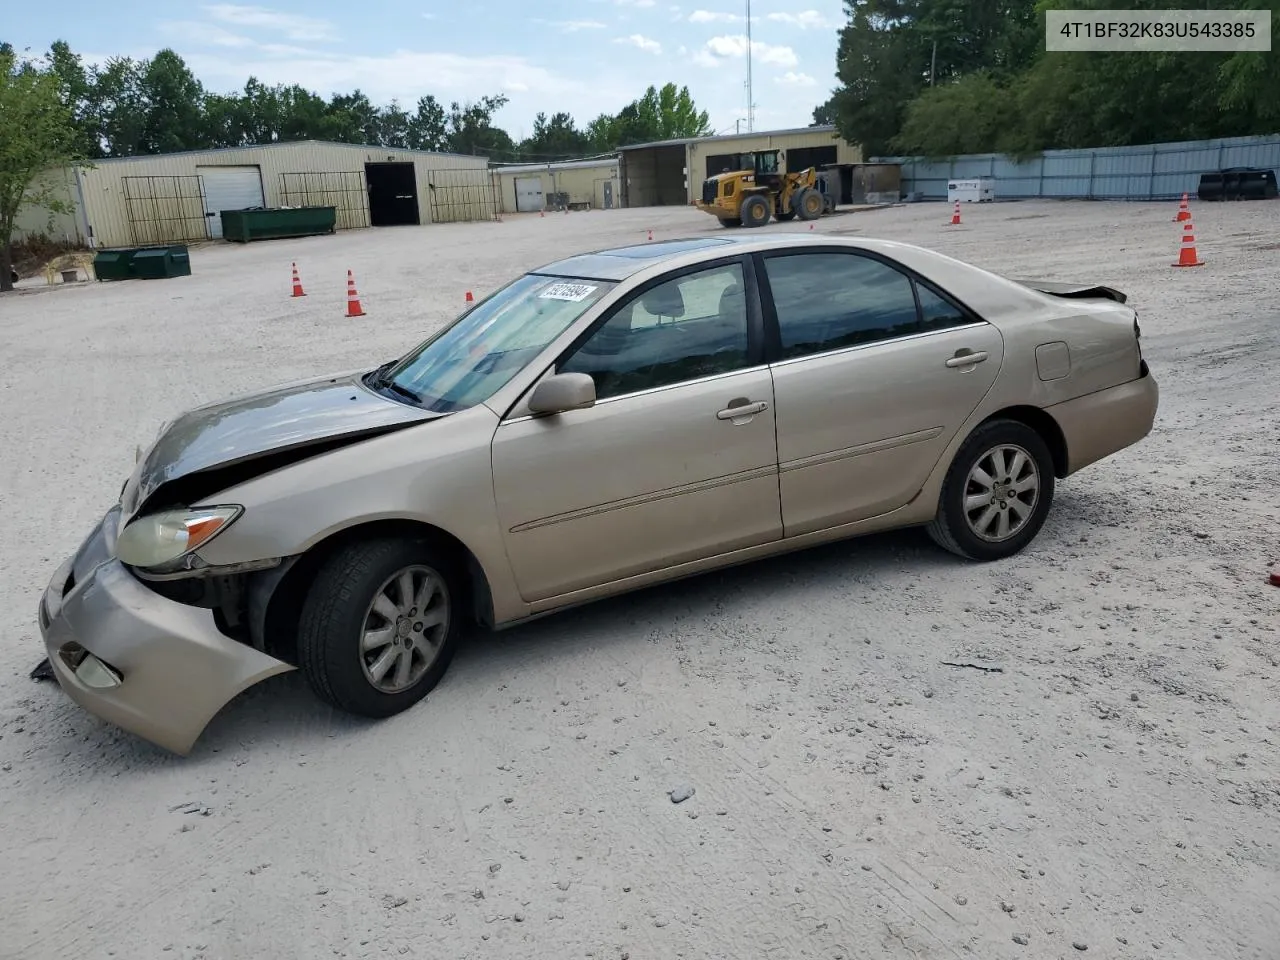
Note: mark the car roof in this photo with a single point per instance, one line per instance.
(619, 263)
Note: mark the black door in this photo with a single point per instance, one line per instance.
(393, 194)
(723, 163)
(802, 158)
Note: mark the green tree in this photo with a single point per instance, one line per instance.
(174, 101)
(37, 134)
(471, 129)
(428, 127)
(555, 139)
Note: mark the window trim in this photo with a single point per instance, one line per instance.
(755, 321)
(769, 310)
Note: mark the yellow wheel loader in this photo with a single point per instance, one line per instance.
(760, 189)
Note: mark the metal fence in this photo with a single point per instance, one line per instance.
(165, 209)
(1154, 171)
(345, 191)
(462, 194)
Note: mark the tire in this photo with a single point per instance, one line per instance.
(730, 221)
(953, 530)
(339, 613)
(808, 204)
(755, 211)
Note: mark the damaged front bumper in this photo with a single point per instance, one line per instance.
(157, 668)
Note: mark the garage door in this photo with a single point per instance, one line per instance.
(229, 188)
(529, 194)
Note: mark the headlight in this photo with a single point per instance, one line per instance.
(161, 539)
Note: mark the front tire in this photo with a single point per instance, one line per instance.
(996, 494)
(379, 625)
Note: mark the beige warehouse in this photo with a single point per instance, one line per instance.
(670, 172)
(579, 184)
(175, 198)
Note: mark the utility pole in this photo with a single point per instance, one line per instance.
(751, 103)
(933, 62)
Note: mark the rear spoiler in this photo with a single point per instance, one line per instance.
(1074, 291)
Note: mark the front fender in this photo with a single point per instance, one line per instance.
(437, 473)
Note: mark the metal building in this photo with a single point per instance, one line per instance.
(176, 197)
(670, 172)
(573, 184)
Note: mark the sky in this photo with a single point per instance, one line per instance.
(583, 56)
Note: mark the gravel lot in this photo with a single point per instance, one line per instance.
(1116, 787)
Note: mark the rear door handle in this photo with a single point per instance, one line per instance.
(967, 358)
(742, 407)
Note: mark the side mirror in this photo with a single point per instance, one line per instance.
(561, 392)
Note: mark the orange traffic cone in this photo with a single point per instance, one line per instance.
(1184, 212)
(955, 216)
(1187, 256)
(353, 299)
(469, 298)
(297, 284)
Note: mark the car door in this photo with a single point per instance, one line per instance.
(874, 372)
(677, 459)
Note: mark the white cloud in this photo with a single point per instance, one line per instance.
(641, 42)
(573, 26)
(805, 20)
(634, 3)
(293, 26)
(730, 46)
(793, 79)
(715, 16)
(704, 58)
(204, 33)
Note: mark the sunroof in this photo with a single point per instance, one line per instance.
(662, 248)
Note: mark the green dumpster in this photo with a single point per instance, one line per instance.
(261, 223)
(157, 263)
(113, 264)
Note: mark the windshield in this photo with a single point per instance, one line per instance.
(467, 362)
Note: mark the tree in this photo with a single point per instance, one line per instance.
(37, 134)
(428, 127)
(665, 114)
(471, 129)
(174, 103)
(555, 139)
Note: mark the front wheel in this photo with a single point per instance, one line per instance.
(379, 626)
(996, 494)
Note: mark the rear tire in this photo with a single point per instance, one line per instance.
(996, 494)
(755, 211)
(730, 221)
(379, 625)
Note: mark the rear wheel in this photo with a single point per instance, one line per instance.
(379, 625)
(755, 211)
(730, 221)
(996, 494)
(808, 204)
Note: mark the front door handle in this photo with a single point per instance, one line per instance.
(967, 358)
(742, 407)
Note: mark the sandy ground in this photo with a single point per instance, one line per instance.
(1115, 788)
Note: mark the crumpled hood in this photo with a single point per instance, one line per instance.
(274, 427)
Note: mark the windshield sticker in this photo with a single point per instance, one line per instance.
(573, 292)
